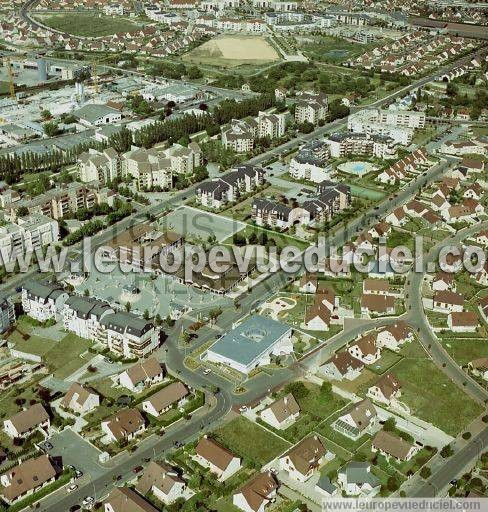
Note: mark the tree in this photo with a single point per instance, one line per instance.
(390, 425)
(128, 306)
(45, 115)
(447, 451)
(51, 129)
(306, 127)
(297, 389)
(22, 211)
(325, 388)
(392, 483)
(146, 314)
(425, 472)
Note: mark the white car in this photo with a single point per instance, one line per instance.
(207, 371)
(72, 488)
(88, 501)
(243, 408)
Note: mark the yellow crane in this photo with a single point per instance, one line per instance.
(11, 84)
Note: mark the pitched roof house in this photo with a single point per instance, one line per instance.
(391, 445)
(282, 412)
(256, 494)
(221, 461)
(303, 459)
(80, 399)
(25, 422)
(142, 374)
(357, 420)
(163, 481)
(165, 398)
(124, 425)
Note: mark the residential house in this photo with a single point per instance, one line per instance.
(325, 487)
(479, 367)
(303, 459)
(365, 349)
(386, 390)
(375, 304)
(397, 218)
(359, 419)
(124, 499)
(282, 412)
(308, 283)
(173, 395)
(24, 423)
(342, 366)
(220, 461)
(394, 336)
(317, 316)
(141, 375)
(257, 493)
(448, 302)
(80, 399)
(27, 478)
(443, 281)
(376, 286)
(356, 479)
(463, 321)
(392, 446)
(162, 481)
(125, 425)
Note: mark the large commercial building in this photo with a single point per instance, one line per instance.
(251, 344)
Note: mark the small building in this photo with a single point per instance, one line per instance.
(24, 423)
(256, 494)
(220, 461)
(125, 425)
(97, 115)
(479, 367)
(394, 336)
(27, 478)
(448, 302)
(142, 375)
(301, 461)
(393, 446)
(124, 499)
(80, 399)
(356, 479)
(464, 321)
(308, 283)
(359, 419)
(365, 349)
(163, 481)
(281, 413)
(376, 304)
(386, 390)
(342, 366)
(325, 487)
(173, 395)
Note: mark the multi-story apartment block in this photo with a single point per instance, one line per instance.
(241, 134)
(58, 202)
(82, 316)
(311, 162)
(127, 335)
(398, 125)
(275, 5)
(311, 107)
(101, 166)
(184, 160)
(43, 301)
(149, 167)
(27, 235)
(342, 144)
(265, 212)
(333, 198)
(7, 313)
(227, 188)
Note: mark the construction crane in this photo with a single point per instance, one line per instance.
(11, 84)
(94, 73)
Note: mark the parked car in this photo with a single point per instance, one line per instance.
(207, 371)
(71, 488)
(48, 446)
(78, 473)
(243, 408)
(137, 469)
(88, 501)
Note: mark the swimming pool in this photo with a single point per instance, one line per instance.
(357, 168)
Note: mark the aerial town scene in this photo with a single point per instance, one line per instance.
(243, 255)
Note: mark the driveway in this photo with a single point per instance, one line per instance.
(76, 451)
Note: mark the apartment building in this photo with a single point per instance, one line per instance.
(342, 144)
(241, 134)
(7, 313)
(150, 168)
(398, 125)
(101, 166)
(43, 301)
(311, 107)
(127, 335)
(82, 316)
(265, 212)
(25, 236)
(241, 180)
(58, 202)
(332, 198)
(311, 162)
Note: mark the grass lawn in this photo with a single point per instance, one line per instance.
(464, 350)
(280, 239)
(87, 24)
(385, 362)
(430, 395)
(400, 238)
(64, 358)
(35, 345)
(250, 441)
